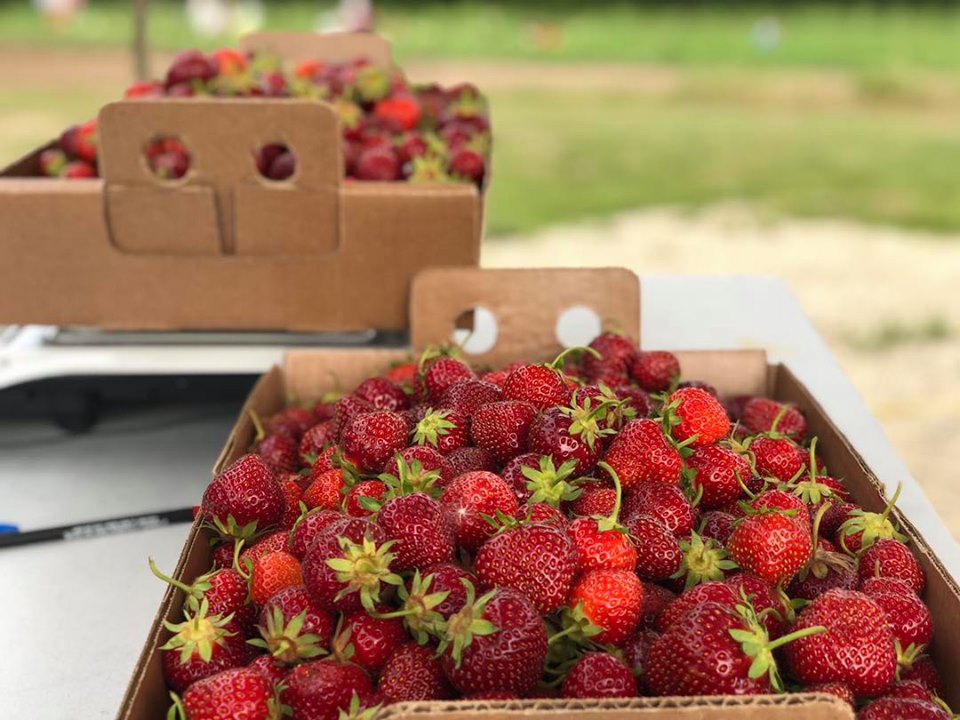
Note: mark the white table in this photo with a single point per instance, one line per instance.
(78, 612)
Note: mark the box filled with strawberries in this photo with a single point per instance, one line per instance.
(301, 166)
(602, 530)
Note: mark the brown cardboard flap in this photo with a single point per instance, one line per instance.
(526, 305)
(222, 137)
(328, 47)
(189, 224)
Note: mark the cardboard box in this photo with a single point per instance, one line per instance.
(527, 315)
(224, 248)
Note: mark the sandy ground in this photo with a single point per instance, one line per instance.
(882, 298)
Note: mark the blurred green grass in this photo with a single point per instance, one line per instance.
(821, 34)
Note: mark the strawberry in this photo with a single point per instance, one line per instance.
(347, 565)
(307, 528)
(403, 374)
(229, 61)
(469, 498)
(655, 599)
(325, 490)
(272, 542)
(228, 695)
(414, 674)
(499, 377)
(901, 708)
(273, 572)
(826, 569)
(382, 394)
(368, 641)
(465, 460)
(316, 439)
(635, 652)
(861, 529)
(695, 417)
(655, 371)
(345, 409)
(467, 165)
(909, 689)
(78, 170)
(414, 524)
(701, 560)
(762, 415)
(857, 649)
(782, 502)
(243, 498)
(718, 650)
(293, 421)
(328, 459)
(837, 689)
(875, 585)
(496, 642)
(370, 439)
(891, 558)
(293, 601)
(909, 619)
(666, 503)
(449, 578)
(537, 560)
(716, 525)
(716, 592)
(602, 543)
(443, 430)
(439, 373)
(52, 162)
(634, 400)
(599, 675)
(773, 546)
(292, 495)
(378, 162)
(605, 606)
(542, 386)
(191, 66)
(513, 474)
(768, 602)
(501, 428)
(777, 457)
(719, 475)
(321, 689)
(594, 499)
(923, 670)
(569, 434)
(658, 552)
(269, 668)
(224, 590)
(543, 513)
(428, 458)
(143, 89)
(467, 396)
(401, 111)
(201, 646)
(353, 503)
(616, 356)
(641, 452)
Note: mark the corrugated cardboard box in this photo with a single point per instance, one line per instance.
(527, 304)
(224, 248)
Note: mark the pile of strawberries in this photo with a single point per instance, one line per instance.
(392, 130)
(587, 528)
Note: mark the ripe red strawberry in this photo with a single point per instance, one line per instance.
(466, 397)
(759, 415)
(720, 474)
(382, 394)
(293, 601)
(52, 162)
(827, 569)
(308, 527)
(401, 111)
(377, 162)
(228, 695)
(543, 513)
(891, 558)
(347, 566)
(468, 165)
(270, 669)
(429, 459)
(501, 428)
(857, 649)
(765, 600)
(542, 386)
(655, 599)
(499, 377)
(717, 650)
(716, 525)
(539, 561)
(777, 457)
(496, 642)
(910, 620)
(467, 499)
(316, 439)
(345, 409)
(273, 572)
(716, 592)
(861, 529)
(634, 399)
(925, 672)
(773, 546)
(293, 421)
(438, 374)
(658, 552)
(599, 675)
(321, 689)
(782, 502)
(837, 514)
(641, 452)
(78, 169)
(874, 585)
(608, 600)
(449, 578)
(372, 489)
(370, 439)
(415, 524)
(414, 674)
(201, 646)
(443, 430)
(513, 474)
(246, 492)
(224, 590)
(616, 356)
(369, 641)
(189, 66)
(403, 374)
(594, 499)
(464, 460)
(325, 490)
(695, 417)
(568, 434)
(888, 708)
(666, 503)
(292, 495)
(655, 371)
(328, 459)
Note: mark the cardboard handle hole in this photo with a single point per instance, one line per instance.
(275, 162)
(577, 326)
(167, 158)
(476, 331)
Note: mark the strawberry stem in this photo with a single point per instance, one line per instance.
(257, 425)
(611, 521)
(796, 635)
(169, 580)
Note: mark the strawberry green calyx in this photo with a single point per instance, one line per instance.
(586, 420)
(811, 490)
(823, 561)
(363, 568)
(195, 592)
(576, 627)
(702, 561)
(463, 626)
(432, 427)
(231, 529)
(873, 526)
(198, 633)
(286, 641)
(372, 83)
(611, 522)
(756, 644)
(418, 609)
(176, 710)
(550, 484)
(355, 712)
(433, 352)
(906, 656)
(429, 169)
(410, 478)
